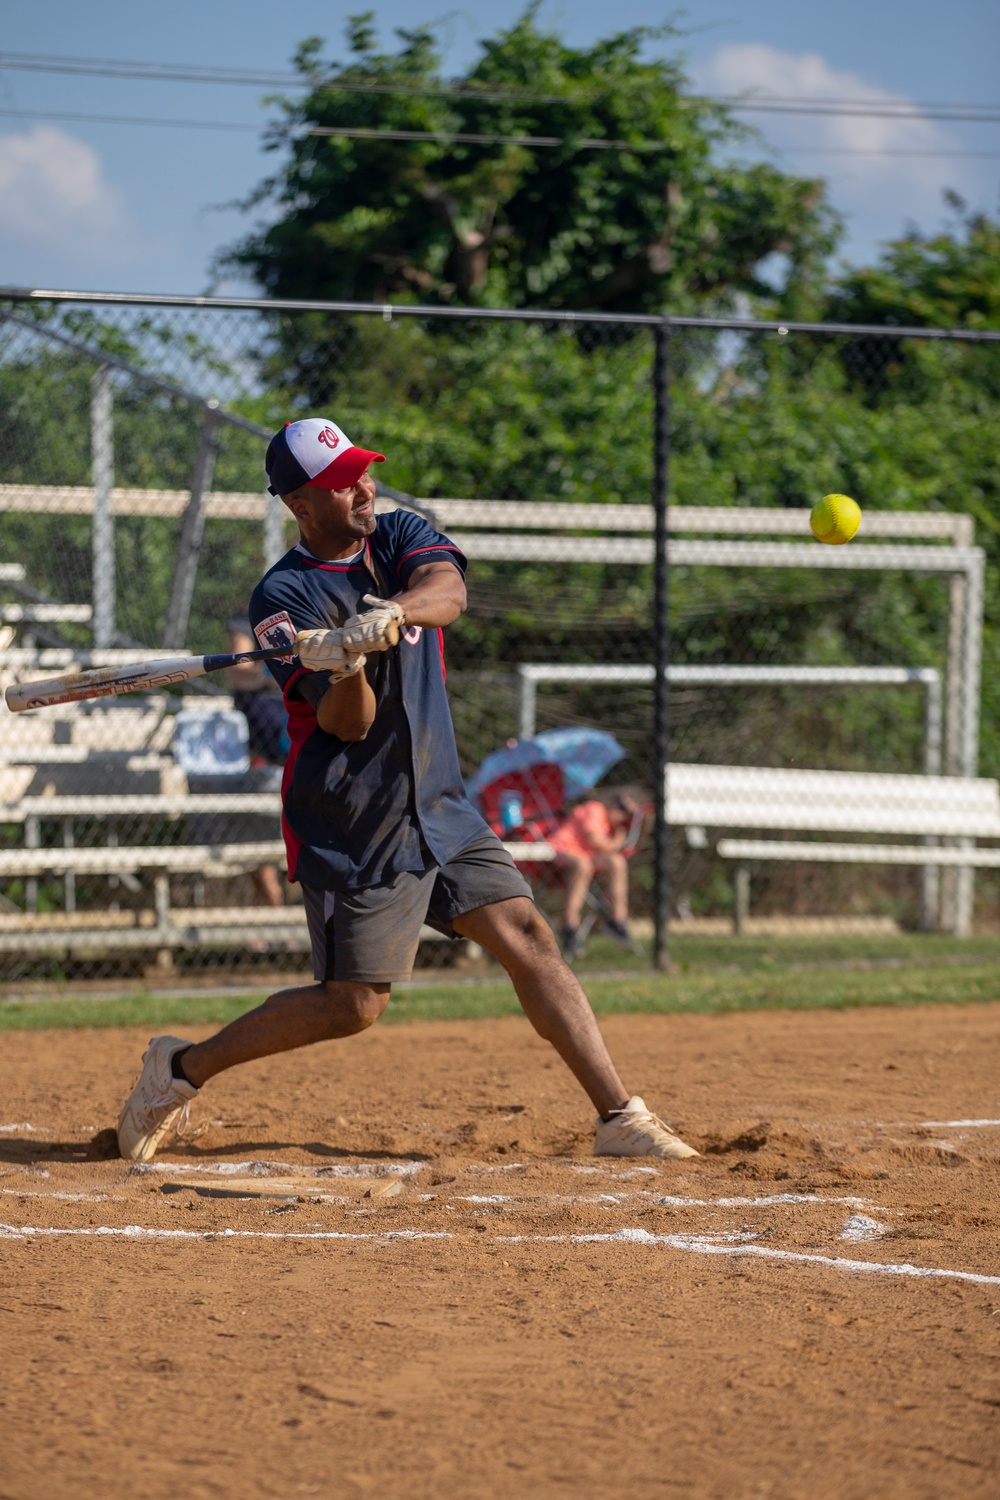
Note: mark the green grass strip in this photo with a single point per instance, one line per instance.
(695, 992)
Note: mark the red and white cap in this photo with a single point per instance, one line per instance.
(316, 452)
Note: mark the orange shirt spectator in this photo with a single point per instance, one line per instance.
(587, 829)
(589, 843)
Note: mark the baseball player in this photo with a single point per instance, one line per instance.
(378, 828)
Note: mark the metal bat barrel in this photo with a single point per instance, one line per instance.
(109, 682)
(103, 682)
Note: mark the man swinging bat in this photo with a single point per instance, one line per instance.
(377, 824)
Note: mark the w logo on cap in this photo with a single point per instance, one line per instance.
(295, 457)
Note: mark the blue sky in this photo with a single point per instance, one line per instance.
(105, 206)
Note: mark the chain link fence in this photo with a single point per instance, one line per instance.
(819, 710)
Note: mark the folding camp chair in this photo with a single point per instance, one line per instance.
(526, 806)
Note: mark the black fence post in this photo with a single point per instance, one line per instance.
(661, 644)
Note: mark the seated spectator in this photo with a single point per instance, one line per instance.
(258, 697)
(589, 843)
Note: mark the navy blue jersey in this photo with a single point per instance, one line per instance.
(357, 814)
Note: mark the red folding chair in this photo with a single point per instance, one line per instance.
(526, 806)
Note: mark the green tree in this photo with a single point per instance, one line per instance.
(655, 220)
(946, 280)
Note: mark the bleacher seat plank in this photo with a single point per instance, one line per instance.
(205, 859)
(832, 801)
(857, 854)
(140, 805)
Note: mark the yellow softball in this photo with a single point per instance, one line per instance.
(835, 519)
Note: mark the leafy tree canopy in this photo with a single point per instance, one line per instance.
(655, 219)
(946, 280)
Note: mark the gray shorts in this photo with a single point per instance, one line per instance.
(371, 936)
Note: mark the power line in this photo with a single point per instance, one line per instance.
(360, 133)
(980, 114)
(48, 114)
(739, 103)
(877, 151)
(194, 73)
(40, 62)
(447, 136)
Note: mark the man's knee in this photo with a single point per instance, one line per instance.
(356, 1006)
(523, 931)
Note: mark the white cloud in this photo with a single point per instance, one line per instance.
(53, 191)
(879, 193)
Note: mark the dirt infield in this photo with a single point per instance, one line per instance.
(391, 1267)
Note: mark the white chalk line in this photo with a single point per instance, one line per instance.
(138, 1232)
(720, 1245)
(764, 1202)
(69, 1197)
(730, 1244)
(616, 1200)
(606, 1167)
(861, 1227)
(264, 1169)
(957, 1124)
(15, 1129)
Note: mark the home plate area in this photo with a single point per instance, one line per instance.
(393, 1264)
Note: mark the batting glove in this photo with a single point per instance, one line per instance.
(323, 651)
(376, 630)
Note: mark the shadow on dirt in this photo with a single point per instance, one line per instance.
(104, 1147)
(101, 1147)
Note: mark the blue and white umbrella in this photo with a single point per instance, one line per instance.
(583, 756)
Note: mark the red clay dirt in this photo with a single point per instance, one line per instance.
(256, 1316)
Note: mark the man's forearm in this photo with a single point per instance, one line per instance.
(347, 708)
(435, 597)
(607, 846)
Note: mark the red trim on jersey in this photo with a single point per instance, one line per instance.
(301, 723)
(439, 547)
(444, 669)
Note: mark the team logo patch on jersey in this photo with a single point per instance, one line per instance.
(276, 630)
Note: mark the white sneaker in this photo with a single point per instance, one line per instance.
(158, 1105)
(636, 1131)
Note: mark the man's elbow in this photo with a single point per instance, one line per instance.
(344, 727)
(352, 734)
(460, 599)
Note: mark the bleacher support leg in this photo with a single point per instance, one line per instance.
(661, 647)
(32, 840)
(741, 899)
(192, 532)
(69, 878)
(103, 465)
(161, 899)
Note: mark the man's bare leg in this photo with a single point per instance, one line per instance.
(291, 1018)
(613, 869)
(516, 933)
(267, 884)
(579, 873)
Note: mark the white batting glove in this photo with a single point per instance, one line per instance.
(376, 630)
(323, 651)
